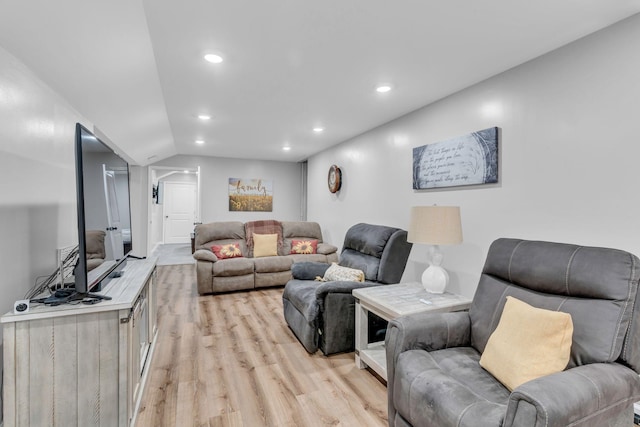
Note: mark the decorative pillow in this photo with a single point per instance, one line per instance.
(230, 250)
(337, 273)
(528, 343)
(304, 246)
(265, 245)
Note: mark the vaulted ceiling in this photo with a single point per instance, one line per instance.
(136, 68)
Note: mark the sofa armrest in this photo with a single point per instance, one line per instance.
(585, 395)
(205, 255)
(341, 287)
(428, 331)
(326, 249)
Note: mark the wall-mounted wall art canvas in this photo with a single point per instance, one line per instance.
(466, 160)
(250, 195)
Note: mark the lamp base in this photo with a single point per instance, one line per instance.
(435, 279)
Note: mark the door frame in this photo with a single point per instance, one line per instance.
(156, 173)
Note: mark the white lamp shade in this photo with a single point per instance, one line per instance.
(435, 225)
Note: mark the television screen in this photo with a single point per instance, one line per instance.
(104, 216)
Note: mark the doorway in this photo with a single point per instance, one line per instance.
(174, 208)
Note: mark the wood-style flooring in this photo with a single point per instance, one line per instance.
(231, 360)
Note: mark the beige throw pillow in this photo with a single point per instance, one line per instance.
(528, 343)
(265, 245)
(337, 273)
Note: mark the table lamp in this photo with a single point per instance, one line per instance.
(435, 225)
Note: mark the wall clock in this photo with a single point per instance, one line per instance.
(334, 180)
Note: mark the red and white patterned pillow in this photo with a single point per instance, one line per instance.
(308, 246)
(230, 250)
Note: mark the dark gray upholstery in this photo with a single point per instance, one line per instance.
(322, 314)
(434, 378)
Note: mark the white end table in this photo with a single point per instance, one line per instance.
(389, 302)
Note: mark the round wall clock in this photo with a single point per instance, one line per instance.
(334, 180)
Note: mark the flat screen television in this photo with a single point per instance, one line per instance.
(104, 214)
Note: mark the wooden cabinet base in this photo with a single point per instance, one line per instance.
(81, 364)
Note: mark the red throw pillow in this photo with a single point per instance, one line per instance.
(230, 250)
(306, 247)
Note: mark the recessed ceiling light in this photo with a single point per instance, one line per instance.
(213, 58)
(318, 129)
(199, 141)
(204, 116)
(286, 148)
(383, 88)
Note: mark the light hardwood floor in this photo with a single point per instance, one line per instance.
(231, 360)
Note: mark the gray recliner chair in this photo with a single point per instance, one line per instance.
(322, 314)
(434, 375)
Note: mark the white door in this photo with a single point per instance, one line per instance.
(179, 211)
(113, 239)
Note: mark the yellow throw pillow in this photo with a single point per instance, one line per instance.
(528, 343)
(265, 245)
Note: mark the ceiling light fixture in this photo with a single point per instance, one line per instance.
(383, 88)
(318, 129)
(204, 116)
(213, 58)
(286, 148)
(199, 141)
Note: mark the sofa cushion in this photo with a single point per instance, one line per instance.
(305, 229)
(265, 245)
(573, 281)
(367, 263)
(304, 247)
(301, 294)
(299, 230)
(368, 239)
(230, 250)
(528, 343)
(326, 249)
(206, 234)
(460, 392)
(272, 264)
(233, 267)
(325, 259)
(268, 226)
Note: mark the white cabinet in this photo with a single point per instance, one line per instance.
(81, 365)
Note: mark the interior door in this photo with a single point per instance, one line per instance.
(179, 211)
(113, 239)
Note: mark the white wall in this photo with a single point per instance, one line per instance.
(569, 158)
(214, 179)
(37, 179)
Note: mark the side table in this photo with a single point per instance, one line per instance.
(389, 302)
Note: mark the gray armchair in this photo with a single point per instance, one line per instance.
(322, 314)
(434, 375)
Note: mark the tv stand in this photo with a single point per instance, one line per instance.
(82, 364)
(91, 295)
(69, 296)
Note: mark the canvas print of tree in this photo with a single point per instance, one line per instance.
(250, 195)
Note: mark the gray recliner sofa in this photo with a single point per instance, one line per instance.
(248, 272)
(434, 375)
(322, 314)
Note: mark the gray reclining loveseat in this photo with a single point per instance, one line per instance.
(433, 360)
(322, 314)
